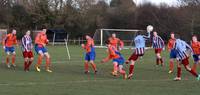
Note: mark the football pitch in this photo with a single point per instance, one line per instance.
(68, 77)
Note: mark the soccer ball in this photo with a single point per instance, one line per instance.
(149, 28)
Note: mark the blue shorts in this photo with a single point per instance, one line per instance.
(90, 56)
(43, 49)
(196, 58)
(173, 53)
(10, 49)
(120, 60)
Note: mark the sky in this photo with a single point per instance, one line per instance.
(157, 2)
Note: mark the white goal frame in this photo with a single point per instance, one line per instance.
(115, 30)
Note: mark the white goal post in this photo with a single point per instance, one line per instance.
(125, 35)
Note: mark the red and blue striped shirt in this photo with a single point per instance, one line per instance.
(27, 43)
(158, 42)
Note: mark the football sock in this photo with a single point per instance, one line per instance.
(13, 59)
(131, 69)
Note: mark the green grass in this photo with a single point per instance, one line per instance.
(68, 77)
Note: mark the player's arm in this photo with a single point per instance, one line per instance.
(169, 45)
(148, 36)
(4, 41)
(162, 42)
(24, 45)
(111, 53)
(189, 47)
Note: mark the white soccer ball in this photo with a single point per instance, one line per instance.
(149, 28)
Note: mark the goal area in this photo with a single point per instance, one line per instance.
(126, 35)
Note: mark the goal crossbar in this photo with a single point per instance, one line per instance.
(115, 30)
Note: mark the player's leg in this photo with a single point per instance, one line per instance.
(132, 60)
(185, 62)
(92, 58)
(8, 54)
(93, 66)
(30, 59)
(115, 68)
(171, 61)
(196, 59)
(158, 57)
(13, 56)
(39, 61)
(121, 71)
(8, 59)
(178, 76)
(48, 61)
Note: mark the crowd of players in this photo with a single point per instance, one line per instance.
(179, 50)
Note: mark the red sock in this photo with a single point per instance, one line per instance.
(131, 69)
(13, 59)
(193, 73)
(86, 66)
(178, 71)
(171, 66)
(7, 60)
(157, 61)
(161, 60)
(94, 66)
(25, 65)
(28, 65)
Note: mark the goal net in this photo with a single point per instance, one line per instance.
(126, 35)
(3, 33)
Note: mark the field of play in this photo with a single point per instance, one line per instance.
(68, 77)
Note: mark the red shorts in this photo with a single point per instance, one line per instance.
(134, 57)
(28, 54)
(158, 50)
(185, 61)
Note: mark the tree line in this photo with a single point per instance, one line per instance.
(79, 17)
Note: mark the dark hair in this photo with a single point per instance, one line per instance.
(107, 42)
(172, 33)
(194, 36)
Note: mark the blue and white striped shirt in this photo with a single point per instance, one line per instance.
(181, 48)
(158, 42)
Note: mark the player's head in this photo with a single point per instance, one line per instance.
(28, 32)
(87, 37)
(155, 33)
(44, 30)
(113, 35)
(14, 32)
(172, 35)
(194, 38)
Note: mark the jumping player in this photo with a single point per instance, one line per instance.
(8, 45)
(158, 45)
(116, 42)
(40, 47)
(90, 54)
(139, 41)
(27, 50)
(195, 44)
(170, 45)
(118, 60)
(182, 48)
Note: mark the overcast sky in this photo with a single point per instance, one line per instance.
(157, 2)
(170, 2)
